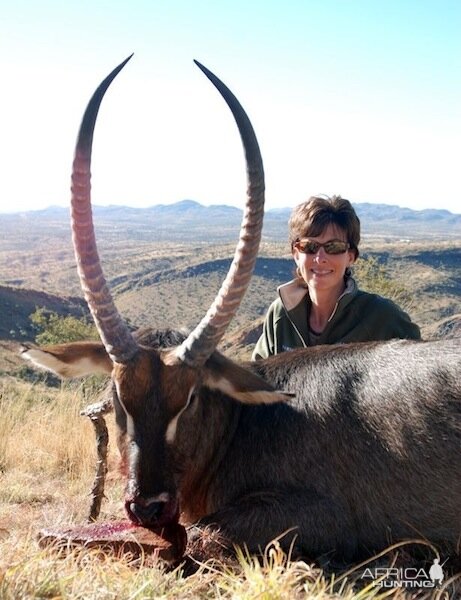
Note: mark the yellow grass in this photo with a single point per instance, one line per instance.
(42, 432)
(47, 460)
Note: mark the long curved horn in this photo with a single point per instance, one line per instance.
(202, 341)
(114, 333)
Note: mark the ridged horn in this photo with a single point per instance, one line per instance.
(114, 333)
(202, 341)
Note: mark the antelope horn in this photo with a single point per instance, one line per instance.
(114, 333)
(202, 341)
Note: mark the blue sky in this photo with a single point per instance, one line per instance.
(358, 98)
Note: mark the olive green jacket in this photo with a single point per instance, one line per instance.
(358, 317)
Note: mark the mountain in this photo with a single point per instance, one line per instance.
(401, 219)
(391, 220)
(184, 208)
(189, 220)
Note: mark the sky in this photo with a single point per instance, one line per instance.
(358, 98)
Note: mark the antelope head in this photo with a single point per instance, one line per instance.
(154, 387)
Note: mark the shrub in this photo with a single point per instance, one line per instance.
(55, 329)
(373, 277)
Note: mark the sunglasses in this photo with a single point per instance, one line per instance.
(330, 247)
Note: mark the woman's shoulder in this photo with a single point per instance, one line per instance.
(290, 300)
(276, 311)
(384, 317)
(377, 302)
(275, 306)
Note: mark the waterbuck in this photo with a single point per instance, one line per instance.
(343, 449)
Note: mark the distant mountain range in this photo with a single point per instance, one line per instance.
(189, 220)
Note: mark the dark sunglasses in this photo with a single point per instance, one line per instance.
(330, 247)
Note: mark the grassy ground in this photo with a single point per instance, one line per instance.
(47, 457)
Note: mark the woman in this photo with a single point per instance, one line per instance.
(323, 305)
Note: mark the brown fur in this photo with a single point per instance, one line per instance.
(367, 451)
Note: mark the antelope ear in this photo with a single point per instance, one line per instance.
(75, 359)
(231, 379)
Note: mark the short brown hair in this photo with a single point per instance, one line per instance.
(310, 218)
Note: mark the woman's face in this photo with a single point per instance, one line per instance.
(322, 271)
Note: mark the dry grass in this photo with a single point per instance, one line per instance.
(41, 419)
(47, 455)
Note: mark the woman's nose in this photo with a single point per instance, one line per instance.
(320, 254)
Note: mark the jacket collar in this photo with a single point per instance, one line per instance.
(292, 294)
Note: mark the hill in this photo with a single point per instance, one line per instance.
(16, 306)
(164, 264)
(190, 221)
(174, 287)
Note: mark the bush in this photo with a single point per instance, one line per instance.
(372, 277)
(55, 329)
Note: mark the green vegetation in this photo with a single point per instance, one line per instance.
(54, 329)
(373, 276)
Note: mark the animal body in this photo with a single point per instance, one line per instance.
(365, 453)
(336, 449)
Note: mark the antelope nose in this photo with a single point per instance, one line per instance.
(156, 511)
(146, 513)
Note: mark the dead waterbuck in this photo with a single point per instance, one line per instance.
(342, 448)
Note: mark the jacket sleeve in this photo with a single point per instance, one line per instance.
(395, 323)
(405, 328)
(265, 345)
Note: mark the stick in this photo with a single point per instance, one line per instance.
(96, 413)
